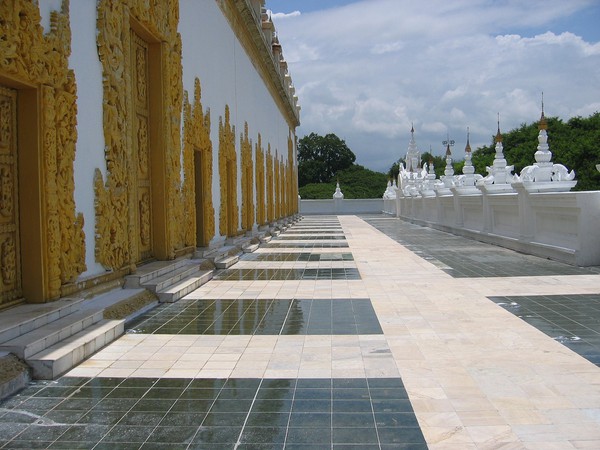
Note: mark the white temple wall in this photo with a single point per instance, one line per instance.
(213, 54)
(504, 215)
(89, 153)
(560, 226)
(472, 212)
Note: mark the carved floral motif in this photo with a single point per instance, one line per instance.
(247, 181)
(8, 258)
(6, 192)
(41, 59)
(115, 196)
(228, 218)
(261, 218)
(142, 146)
(197, 139)
(145, 219)
(5, 122)
(270, 187)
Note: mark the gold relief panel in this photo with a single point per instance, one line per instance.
(8, 257)
(142, 145)
(247, 181)
(149, 74)
(260, 183)
(197, 163)
(228, 218)
(270, 188)
(36, 66)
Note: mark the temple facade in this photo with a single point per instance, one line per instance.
(134, 131)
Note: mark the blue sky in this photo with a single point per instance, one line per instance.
(365, 70)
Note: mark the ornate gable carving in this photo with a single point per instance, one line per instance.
(115, 208)
(197, 139)
(41, 61)
(228, 223)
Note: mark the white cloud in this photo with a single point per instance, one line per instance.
(281, 16)
(367, 70)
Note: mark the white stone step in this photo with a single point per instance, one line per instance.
(25, 318)
(265, 239)
(61, 357)
(147, 272)
(41, 338)
(251, 248)
(169, 279)
(184, 287)
(227, 262)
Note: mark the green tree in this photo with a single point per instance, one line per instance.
(321, 157)
(355, 182)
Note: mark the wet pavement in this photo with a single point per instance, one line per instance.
(424, 340)
(465, 258)
(572, 320)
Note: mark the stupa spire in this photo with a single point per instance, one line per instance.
(543, 125)
(468, 146)
(498, 134)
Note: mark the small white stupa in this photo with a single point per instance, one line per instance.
(465, 183)
(544, 175)
(499, 174)
(448, 177)
(338, 194)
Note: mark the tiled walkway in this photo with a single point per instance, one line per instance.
(420, 346)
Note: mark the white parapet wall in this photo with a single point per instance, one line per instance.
(564, 226)
(342, 206)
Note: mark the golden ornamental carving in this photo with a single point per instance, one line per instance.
(7, 184)
(291, 190)
(6, 115)
(72, 244)
(281, 188)
(50, 139)
(41, 60)
(189, 177)
(261, 216)
(277, 186)
(145, 219)
(247, 181)
(116, 193)
(142, 138)
(270, 187)
(228, 218)
(8, 258)
(197, 140)
(140, 67)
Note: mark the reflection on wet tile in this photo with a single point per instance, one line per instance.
(288, 274)
(261, 317)
(276, 413)
(313, 236)
(314, 244)
(462, 258)
(571, 320)
(301, 257)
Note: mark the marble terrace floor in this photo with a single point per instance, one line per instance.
(344, 332)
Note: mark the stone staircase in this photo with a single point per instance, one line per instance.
(170, 280)
(54, 337)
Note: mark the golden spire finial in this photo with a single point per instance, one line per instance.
(543, 123)
(468, 147)
(498, 134)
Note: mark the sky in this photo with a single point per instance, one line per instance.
(368, 70)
